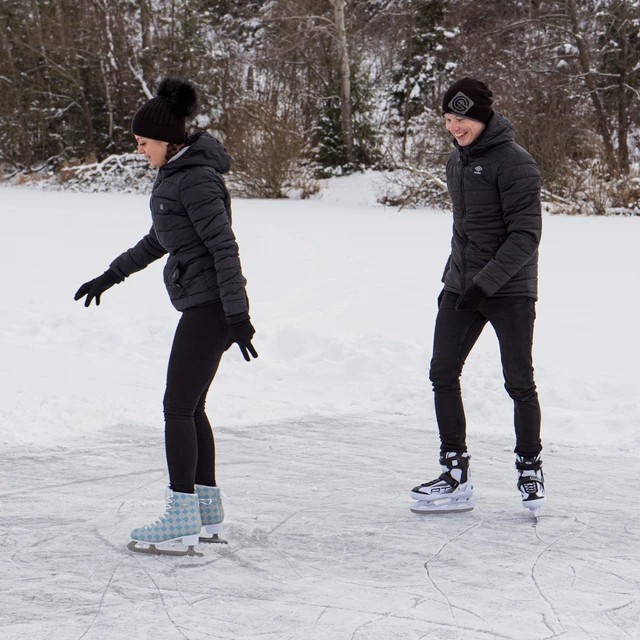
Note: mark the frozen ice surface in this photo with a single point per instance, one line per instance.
(319, 440)
(321, 543)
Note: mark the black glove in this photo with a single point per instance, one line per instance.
(96, 287)
(242, 331)
(472, 297)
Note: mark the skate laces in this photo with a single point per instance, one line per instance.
(530, 482)
(530, 479)
(163, 517)
(530, 485)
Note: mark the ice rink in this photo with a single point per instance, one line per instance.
(319, 441)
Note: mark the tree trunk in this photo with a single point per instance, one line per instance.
(147, 41)
(107, 93)
(407, 92)
(172, 32)
(623, 107)
(586, 63)
(345, 79)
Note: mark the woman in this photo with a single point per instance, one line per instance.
(191, 214)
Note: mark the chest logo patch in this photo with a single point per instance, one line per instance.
(161, 207)
(477, 171)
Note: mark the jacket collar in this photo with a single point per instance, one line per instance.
(202, 149)
(498, 131)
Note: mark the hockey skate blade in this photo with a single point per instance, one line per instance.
(153, 550)
(422, 507)
(534, 509)
(535, 505)
(214, 539)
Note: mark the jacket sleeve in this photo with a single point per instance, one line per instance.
(519, 184)
(148, 250)
(203, 196)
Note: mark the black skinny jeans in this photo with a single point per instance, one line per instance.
(202, 336)
(455, 335)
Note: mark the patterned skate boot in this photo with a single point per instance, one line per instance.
(451, 491)
(181, 521)
(211, 513)
(531, 483)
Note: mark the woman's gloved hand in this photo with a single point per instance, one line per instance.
(96, 287)
(242, 332)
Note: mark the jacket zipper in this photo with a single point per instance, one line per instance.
(464, 213)
(153, 217)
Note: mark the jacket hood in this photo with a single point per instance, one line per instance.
(203, 149)
(498, 131)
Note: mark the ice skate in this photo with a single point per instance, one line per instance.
(181, 522)
(211, 513)
(531, 483)
(450, 492)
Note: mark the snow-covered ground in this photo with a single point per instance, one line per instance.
(319, 440)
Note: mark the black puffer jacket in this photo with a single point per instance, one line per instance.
(191, 213)
(494, 185)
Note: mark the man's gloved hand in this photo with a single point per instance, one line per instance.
(96, 287)
(242, 332)
(472, 297)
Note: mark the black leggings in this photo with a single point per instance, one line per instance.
(202, 336)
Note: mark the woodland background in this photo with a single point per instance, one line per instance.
(306, 89)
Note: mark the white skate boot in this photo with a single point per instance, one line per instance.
(531, 483)
(452, 491)
(181, 521)
(211, 513)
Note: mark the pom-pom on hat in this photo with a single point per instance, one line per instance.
(163, 117)
(469, 98)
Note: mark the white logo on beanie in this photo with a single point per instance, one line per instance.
(461, 103)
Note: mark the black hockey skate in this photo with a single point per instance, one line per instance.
(531, 483)
(451, 491)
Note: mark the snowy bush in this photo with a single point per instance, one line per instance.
(588, 188)
(411, 187)
(127, 173)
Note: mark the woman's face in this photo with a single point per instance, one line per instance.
(155, 151)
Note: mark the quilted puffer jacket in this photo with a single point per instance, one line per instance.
(494, 185)
(191, 214)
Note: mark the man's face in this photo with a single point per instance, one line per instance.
(464, 130)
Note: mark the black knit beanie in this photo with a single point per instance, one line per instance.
(469, 98)
(163, 117)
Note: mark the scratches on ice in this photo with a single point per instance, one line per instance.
(346, 560)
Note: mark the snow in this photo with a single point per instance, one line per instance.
(319, 440)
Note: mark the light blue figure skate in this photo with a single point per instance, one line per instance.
(211, 513)
(181, 521)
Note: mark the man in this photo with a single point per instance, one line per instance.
(490, 276)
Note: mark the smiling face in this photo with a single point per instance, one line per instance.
(155, 151)
(464, 130)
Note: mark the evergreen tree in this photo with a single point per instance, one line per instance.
(423, 65)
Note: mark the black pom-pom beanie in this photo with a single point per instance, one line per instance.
(469, 98)
(163, 117)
